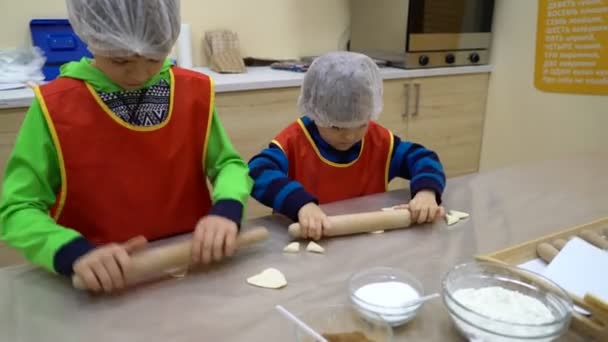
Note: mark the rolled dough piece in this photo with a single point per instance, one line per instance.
(293, 247)
(451, 219)
(315, 248)
(270, 278)
(459, 214)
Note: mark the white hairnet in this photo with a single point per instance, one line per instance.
(342, 89)
(123, 28)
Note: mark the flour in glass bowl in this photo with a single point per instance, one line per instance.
(505, 305)
(512, 316)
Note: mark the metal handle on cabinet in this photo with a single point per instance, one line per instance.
(406, 113)
(417, 106)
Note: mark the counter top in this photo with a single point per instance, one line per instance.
(262, 78)
(507, 206)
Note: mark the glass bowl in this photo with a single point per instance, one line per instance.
(395, 313)
(479, 326)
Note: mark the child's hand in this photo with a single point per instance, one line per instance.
(104, 268)
(214, 239)
(312, 221)
(424, 207)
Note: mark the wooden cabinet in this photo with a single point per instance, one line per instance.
(252, 119)
(443, 113)
(448, 118)
(10, 121)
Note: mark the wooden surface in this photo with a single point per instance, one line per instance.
(507, 207)
(10, 121)
(544, 247)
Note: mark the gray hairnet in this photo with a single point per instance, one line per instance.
(121, 28)
(342, 89)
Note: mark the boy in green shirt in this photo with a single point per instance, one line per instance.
(117, 151)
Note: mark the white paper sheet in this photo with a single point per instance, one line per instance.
(539, 266)
(580, 268)
(534, 265)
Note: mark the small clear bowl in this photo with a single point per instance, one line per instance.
(393, 315)
(342, 319)
(477, 326)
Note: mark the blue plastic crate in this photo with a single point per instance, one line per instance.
(59, 42)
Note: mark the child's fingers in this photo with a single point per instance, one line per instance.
(432, 214)
(135, 244)
(207, 249)
(197, 245)
(415, 212)
(218, 244)
(123, 259)
(111, 266)
(422, 216)
(90, 280)
(316, 229)
(326, 222)
(441, 212)
(102, 275)
(305, 227)
(230, 243)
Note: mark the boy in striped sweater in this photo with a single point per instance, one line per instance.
(336, 152)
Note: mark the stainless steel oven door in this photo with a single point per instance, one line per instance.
(448, 41)
(435, 25)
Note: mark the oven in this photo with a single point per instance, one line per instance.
(423, 33)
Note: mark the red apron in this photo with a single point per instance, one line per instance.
(119, 181)
(329, 181)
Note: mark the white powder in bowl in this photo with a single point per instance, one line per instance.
(387, 299)
(505, 305)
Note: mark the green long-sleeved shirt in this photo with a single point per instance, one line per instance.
(32, 180)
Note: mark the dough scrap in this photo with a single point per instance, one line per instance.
(270, 278)
(314, 247)
(451, 219)
(293, 247)
(377, 232)
(459, 214)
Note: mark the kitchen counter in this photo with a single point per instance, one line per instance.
(507, 206)
(262, 78)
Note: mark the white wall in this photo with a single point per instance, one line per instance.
(523, 123)
(267, 28)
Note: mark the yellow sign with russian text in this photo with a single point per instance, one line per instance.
(572, 46)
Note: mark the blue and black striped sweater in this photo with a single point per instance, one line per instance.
(273, 188)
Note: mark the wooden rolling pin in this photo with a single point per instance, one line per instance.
(546, 251)
(361, 223)
(154, 261)
(594, 239)
(559, 243)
